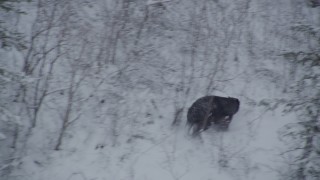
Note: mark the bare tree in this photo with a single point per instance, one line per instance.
(66, 116)
(79, 69)
(41, 57)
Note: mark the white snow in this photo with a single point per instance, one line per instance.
(2, 136)
(128, 135)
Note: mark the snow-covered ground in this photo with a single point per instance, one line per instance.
(123, 128)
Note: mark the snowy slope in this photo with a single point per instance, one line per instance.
(223, 48)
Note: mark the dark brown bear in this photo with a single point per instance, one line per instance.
(212, 110)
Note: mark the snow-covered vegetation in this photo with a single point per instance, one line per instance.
(99, 90)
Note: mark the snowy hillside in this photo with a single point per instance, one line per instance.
(101, 89)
